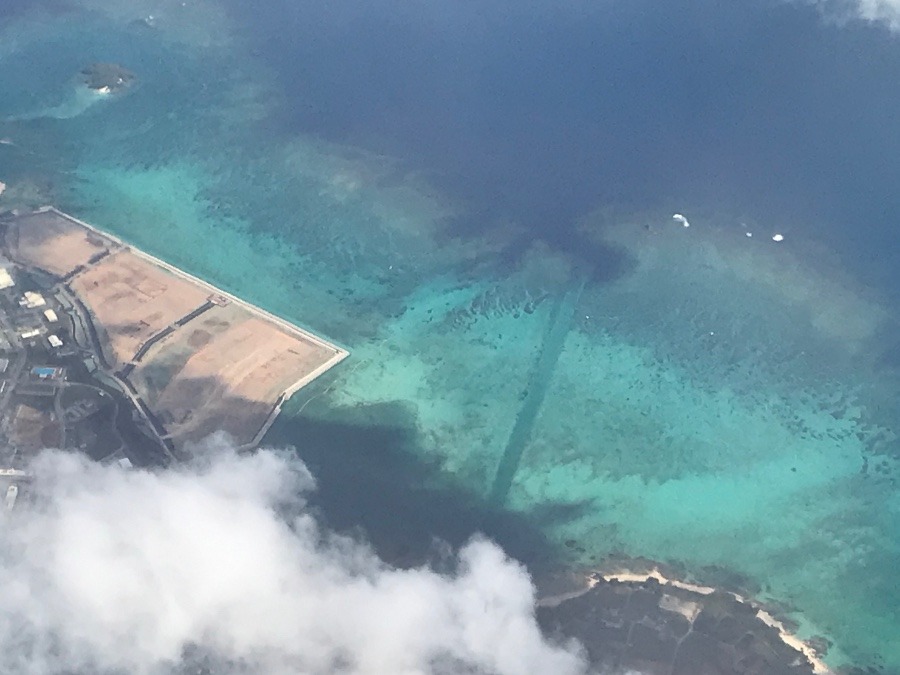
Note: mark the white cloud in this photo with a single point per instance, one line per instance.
(885, 12)
(110, 570)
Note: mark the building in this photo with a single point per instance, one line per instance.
(31, 333)
(47, 372)
(6, 280)
(31, 300)
(51, 316)
(54, 341)
(12, 492)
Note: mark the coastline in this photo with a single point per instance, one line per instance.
(283, 323)
(630, 576)
(338, 354)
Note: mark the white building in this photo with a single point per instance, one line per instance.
(51, 316)
(12, 492)
(6, 280)
(32, 300)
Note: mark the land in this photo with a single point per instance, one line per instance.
(109, 351)
(636, 615)
(107, 77)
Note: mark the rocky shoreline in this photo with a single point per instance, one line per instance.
(638, 615)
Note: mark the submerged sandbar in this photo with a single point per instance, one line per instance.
(197, 358)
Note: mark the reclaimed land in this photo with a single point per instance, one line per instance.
(201, 360)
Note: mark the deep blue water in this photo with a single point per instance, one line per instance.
(538, 111)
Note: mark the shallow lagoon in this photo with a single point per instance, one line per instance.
(693, 394)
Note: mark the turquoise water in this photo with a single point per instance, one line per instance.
(693, 395)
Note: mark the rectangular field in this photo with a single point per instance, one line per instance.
(200, 359)
(52, 242)
(224, 370)
(133, 300)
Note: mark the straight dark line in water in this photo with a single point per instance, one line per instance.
(538, 382)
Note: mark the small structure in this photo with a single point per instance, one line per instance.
(47, 372)
(51, 316)
(12, 493)
(31, 333)
(6, 280)
(219, 300)
(54, 341)
(32, 300)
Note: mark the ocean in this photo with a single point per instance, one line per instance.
(476, 199)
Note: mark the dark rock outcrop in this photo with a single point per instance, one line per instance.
(107, 77)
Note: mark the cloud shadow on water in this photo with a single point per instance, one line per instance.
(370, 479)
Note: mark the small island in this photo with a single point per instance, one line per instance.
(107, 78)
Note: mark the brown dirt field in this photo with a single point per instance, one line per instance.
(165, 359)
(241, 422)
(56, 244)
(32, 429)
(223, 370)
(232, 381)
(134, 299)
